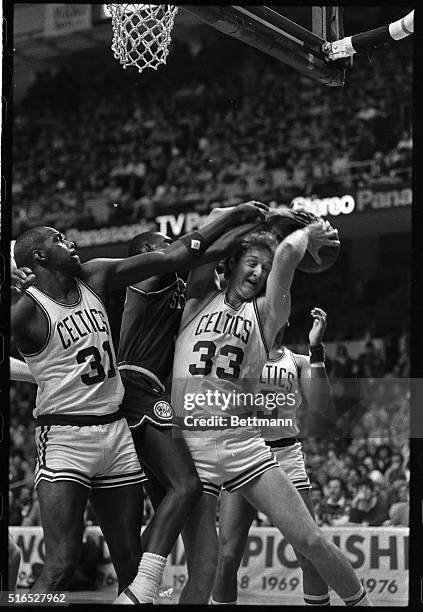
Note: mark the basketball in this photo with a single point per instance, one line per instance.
(328, 255)
(287, 221)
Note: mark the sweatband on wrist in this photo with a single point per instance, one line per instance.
(317, 353)
(194, 243)
(320, 364)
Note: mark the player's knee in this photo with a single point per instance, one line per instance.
(195, 489)
(229, 560)
(210, 562)
(312, 545)
(190, 491)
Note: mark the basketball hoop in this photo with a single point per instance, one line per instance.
(142, 33)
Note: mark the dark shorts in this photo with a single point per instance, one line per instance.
(144, 402)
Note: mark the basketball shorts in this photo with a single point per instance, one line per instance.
(95, 456)
(230, 458)
(289, 455)
(144, 401)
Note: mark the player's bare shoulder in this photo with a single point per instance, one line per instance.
(94, 274)
(29, 324)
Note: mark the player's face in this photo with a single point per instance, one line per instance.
(61, 253)
(249, 275)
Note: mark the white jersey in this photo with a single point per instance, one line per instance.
(280, 384)
(76, 369)
(219, 356)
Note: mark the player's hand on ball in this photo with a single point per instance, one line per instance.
(319, 326)
(321, 234)
(250, 211)
(20, 278)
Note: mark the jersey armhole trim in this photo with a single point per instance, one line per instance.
(91, 290)
(297, 366)
(256, 310)
(47, 340)
(215, 293)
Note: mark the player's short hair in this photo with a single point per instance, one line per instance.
(262, 239)
(141, 242)
(27, 243)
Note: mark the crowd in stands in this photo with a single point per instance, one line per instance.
(358, 462)
(96, 146)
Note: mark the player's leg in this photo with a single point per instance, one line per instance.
(14, 562)
(235, 518)
(315, 589)
(156, 493)
(274, 494)
(119, 511)
(169, 459)
(62, 506)
(291, 460)
(117, 499)
(201, 548)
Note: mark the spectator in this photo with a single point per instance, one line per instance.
(317, 497)
(399, 512)
(32, 516)
(370, 363)
(336, 502)
(368, 507)
(342, 365)
(396, 470)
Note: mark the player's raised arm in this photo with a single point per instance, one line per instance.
(119, 273)
(314, 381)
(275, 306)
(22, 308)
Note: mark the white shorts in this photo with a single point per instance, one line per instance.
(291, 460)
(95, 456)
(230, 458)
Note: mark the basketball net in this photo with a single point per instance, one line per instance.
(142, 33)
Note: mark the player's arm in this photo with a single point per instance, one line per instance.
(119, 273)
(220, 249)
(203, 279)
(23, 316)
(226, 245)
(29, 330)
(314, 382)
(315, 386)
(20, 371)
(275, 307)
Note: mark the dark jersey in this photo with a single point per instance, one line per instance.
(150, 323)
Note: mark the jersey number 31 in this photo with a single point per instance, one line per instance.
(97, 374)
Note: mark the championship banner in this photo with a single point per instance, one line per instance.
(61, 19)
(269, 573)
